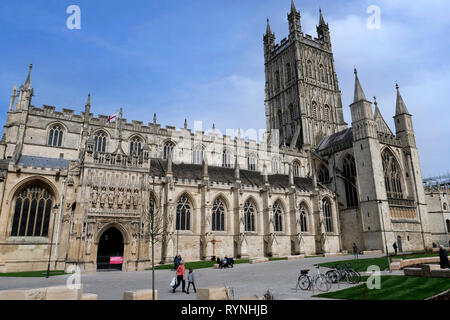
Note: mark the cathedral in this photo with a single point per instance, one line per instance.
(80, 190)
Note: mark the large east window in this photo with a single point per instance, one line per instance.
(32, 210)
(392, 176)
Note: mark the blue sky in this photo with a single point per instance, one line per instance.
(203, 60)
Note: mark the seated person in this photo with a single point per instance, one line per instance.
(225, 262)
(219, 262)
(231, 262)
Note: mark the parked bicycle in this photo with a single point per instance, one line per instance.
(343, 272)
(319, 280)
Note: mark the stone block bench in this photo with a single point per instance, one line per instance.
(398, 264)
(259, 260)
(298, 257)
(332, 254)
(413, 272)
(440, 273)
(428, 270)
(215, 293)
(49, 293)
(146, 294)
(368, 252)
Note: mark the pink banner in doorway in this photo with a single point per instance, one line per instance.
(115, 260)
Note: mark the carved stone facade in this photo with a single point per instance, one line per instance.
(317, 189)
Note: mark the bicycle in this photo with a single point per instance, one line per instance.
(341, 272)
(319, 280)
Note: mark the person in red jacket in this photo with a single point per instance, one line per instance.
(180, 277)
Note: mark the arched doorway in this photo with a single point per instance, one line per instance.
(110, 250)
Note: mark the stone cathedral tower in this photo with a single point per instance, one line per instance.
(303, 100)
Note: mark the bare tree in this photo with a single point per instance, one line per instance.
(153, 214)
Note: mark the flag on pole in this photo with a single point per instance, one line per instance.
(113, 117)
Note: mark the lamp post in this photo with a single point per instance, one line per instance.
(177, 242)
(385, 239)
(56, 207)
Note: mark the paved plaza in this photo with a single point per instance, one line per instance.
(246, 280)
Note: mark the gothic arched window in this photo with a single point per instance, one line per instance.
(292, 118)
(252, 162)
(226, 159)
(303, 218)
(350, 181)
(275, 166)
(100, 142)
(168, 147)
(322, 73)
(55, 136)
(198, 154)
(392, 176)
(324, 176)
(309, 68)
(32, 210)
(136, 145)
(278, 217)
(183, 214)
(277, 80)
(280, 120)
(444, 206)
(448, 225)
(326, 208)
(249, 216)
(218, 216)
(296, 167)
(288, 72)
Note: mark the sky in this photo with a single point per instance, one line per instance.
(202, 60)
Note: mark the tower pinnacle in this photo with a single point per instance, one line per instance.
(268, 30)
(359, 93)
(321, 19)
(401, 106)
(293, 9)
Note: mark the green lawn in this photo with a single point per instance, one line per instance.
(33, 274)
(394, 288)
(361, 265)
(196, 265)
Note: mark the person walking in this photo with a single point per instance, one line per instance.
(191, 280)
(395, 247)
(443, 258)
(355, 250)
(180, 277)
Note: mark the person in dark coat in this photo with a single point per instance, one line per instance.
(219, 262)
(176, 262)
(395, 247)
(355, 250)
(443, 258)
